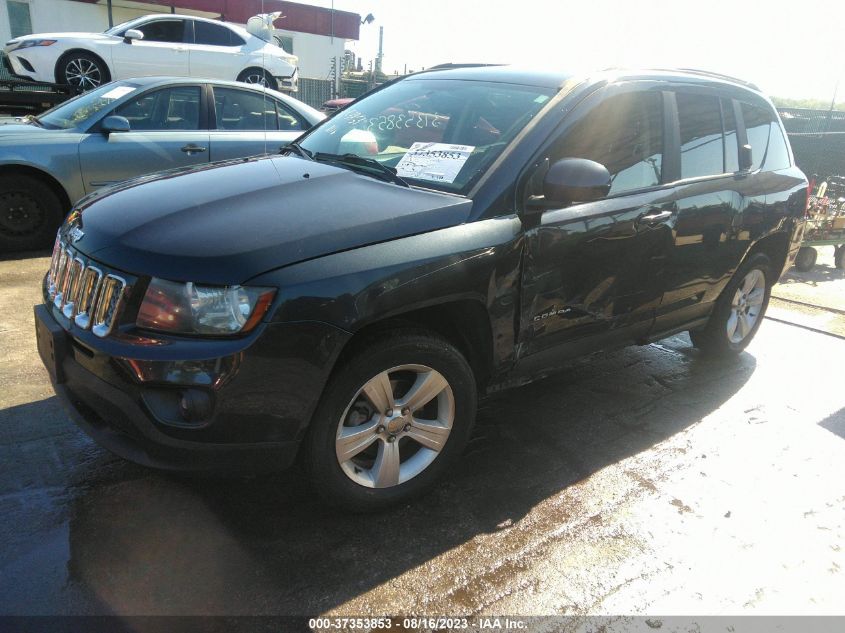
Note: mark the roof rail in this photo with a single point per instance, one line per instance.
(715, 75)
(460, 65)
(689, 71)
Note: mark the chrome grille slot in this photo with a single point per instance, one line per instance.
(87, 298)
(71, 289)
(54, 266)
(65, 261)
(108, 306)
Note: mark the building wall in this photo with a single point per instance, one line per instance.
(314, 51)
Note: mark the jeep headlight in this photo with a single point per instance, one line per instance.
(189, 308)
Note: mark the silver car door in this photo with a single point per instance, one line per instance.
(166, 131)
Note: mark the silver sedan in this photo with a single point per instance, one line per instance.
(130, 128)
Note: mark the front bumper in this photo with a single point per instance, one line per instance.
(260, 411)
(28, 67)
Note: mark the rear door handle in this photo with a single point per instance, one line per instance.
(652, 218)
(190, 148)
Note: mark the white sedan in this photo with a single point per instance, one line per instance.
(160, 44)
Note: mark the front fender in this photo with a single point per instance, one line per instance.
(62, 167)
(479, 261)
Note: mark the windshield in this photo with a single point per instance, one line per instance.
(76, 112)
(441, 134)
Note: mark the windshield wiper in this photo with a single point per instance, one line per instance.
(31, 118)
(353, 160)
(296, 148)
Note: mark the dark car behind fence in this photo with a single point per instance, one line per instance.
(817, 138)
(315, 92)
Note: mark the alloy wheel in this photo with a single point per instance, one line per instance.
(83, 73)
(395, 426)
(256, 78)
(746, 305)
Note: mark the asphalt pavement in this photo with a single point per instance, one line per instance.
(647, 480)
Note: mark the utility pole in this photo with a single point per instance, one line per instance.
(380, 49)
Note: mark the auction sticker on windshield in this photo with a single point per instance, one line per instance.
(440, 162)
(118, 92)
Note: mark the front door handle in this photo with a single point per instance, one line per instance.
(654, 217)
(190, 148)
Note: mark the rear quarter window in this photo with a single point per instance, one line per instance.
(768, 146)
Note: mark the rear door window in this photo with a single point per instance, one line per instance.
(244, 110)
(768, 147)
(700, 120)
(625, 134)
(213, 34)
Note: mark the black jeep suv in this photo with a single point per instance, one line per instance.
(450, 233)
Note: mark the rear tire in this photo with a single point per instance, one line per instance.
(374, 392)
(83, 70)
(806, 258)
(839, 257)
(258, 76)
(739, 310)
(30, 213)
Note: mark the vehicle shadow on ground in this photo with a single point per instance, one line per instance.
(817, 275)
(162, 544)
(835, 423)
(11, 257)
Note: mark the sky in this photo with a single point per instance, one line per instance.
(788, 49)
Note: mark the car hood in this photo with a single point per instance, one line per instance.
(15, 130)
(19, 135)
(225, 223)
(58, 36)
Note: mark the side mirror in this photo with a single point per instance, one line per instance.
(114, 123)
(746, 160)
(575, 180)
(132, 34)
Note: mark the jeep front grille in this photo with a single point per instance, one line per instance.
(84, 293)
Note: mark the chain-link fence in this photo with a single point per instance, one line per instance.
(806, 121)
(817, 138)
(315, 92)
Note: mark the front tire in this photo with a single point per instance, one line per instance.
(391, 421)
(82, 70)
(806, 258)
(739, 310)
(258, 76)
(30, 213)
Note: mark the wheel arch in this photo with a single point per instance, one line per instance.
(465, 323)
(42, 175)
(775, 246)
(72, 51)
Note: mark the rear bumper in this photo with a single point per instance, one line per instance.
(289, 84)
(260, 410)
